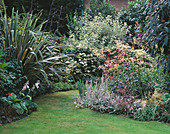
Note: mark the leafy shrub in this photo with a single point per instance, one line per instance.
(84, 64)
(97, 32)
(156, 30)
(123, 64)
(159, 111)
(3, 64)
(135, 71)
(103, 7)
(15, 107)
(132, 16)
(11, 79)
(146, 114)
(62, 86)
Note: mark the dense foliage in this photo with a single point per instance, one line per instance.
(132, 16)
(11, 79)
(103, 7)
(30, 57)
(63, 86)
(34, 51)
(14, 103)
(156, 31)
(97, 32)
(133, 85)
(84, 64)
(54, 10)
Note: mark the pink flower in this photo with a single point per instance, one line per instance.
(26, 86)
(110, 70)
(126, 64)
(139, 62)
(108, 65)
(111, 76)
(134, 59)
(127, 67)
(131, 73)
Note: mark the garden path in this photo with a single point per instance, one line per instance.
(57, 115)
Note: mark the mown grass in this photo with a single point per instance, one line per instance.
(57, 115)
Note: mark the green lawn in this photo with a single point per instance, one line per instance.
(57, 115)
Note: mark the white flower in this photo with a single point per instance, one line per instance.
(26, 86)
(37, 84)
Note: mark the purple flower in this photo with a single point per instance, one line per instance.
(139, 34)
(130, 40)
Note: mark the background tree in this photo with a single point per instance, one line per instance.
(58, 14)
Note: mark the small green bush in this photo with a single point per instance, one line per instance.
(63, 86)
(158, 112)
(11, 77)
(14, 107)
(103, 7)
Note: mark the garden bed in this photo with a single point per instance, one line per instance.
(57, 114)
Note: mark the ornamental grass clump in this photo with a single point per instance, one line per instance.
(36, 52)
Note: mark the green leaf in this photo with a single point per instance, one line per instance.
(165, 41)
(13, 96)
(17, 100)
